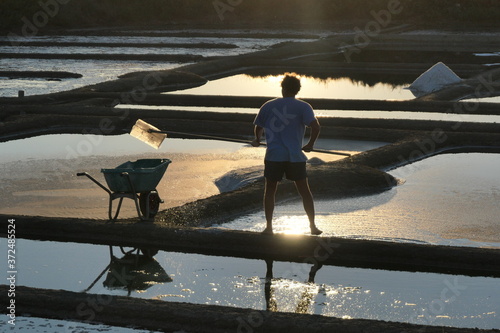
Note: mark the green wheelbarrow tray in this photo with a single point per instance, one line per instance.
(144, 175)
(137, 181)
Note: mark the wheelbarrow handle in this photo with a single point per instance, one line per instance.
(95, 181)
(127, 175)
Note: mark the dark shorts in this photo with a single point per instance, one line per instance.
(292, 170)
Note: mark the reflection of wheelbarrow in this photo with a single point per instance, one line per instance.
(137, 181)
(137, 270)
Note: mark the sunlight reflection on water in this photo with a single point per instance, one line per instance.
(278, 286)
(342, 88)
(448, 199)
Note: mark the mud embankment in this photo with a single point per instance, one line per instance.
(292, 248)
(50, 75)
(121, 57)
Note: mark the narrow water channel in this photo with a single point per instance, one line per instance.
(277, 286)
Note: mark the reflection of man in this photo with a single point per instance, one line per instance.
(284, 120)
(306, 298)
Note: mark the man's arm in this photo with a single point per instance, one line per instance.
(258, 131)
(315, 129)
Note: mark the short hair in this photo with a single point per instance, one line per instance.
(291, 83)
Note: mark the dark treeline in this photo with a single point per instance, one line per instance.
(42, 14)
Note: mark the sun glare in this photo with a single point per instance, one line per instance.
(274, 78)
(292, 225)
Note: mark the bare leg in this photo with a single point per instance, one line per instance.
(269, 197)
(308, 202)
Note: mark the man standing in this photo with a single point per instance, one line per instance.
(284, 121)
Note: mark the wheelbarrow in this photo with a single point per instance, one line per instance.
(137, 181)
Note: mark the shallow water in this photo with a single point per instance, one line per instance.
(44, 325)
(93, 71)
(421, 298)
(495, 99)
(342, 88)
(96, 71)
(38, 175)
(242, 39)
(449, 199)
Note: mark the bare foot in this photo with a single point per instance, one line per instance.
(315, 231)
(268, 231)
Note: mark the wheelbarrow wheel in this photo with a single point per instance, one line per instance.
(152, 200)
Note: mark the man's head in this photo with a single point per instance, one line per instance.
(290, 85)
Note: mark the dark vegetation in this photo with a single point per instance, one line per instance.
(66, 14)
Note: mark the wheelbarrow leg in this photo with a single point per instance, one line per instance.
(110, 211)
(136, 198)
(111, 196)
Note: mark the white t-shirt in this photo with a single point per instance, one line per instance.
(284, 121)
